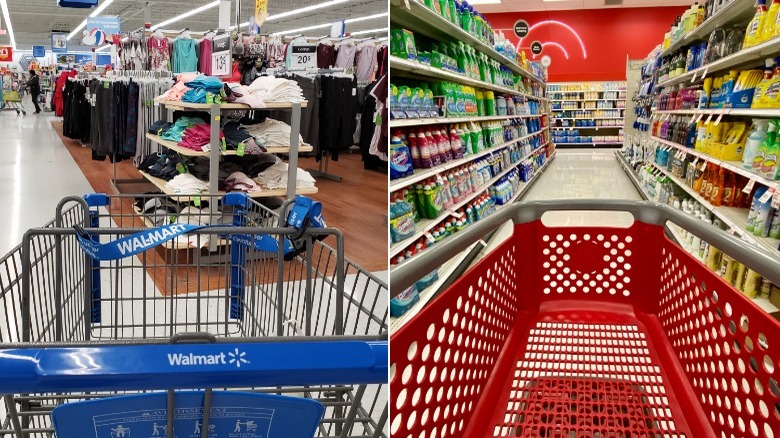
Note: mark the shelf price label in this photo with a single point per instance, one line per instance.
(749, 187)
(776, 199)
(766, 196)
(429, 238)
(304, 56)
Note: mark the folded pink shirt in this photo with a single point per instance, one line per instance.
(177, 91)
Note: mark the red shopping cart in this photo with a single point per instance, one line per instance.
(587, 331)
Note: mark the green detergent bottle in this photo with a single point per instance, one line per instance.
(454, 18)
(444, 9)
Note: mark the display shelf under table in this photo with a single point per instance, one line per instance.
(263, 193)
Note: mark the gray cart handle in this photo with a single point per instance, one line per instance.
(406, 274)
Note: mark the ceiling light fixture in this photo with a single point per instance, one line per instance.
(296, 12)
(328, 25)
(7, 18)
(94, 13)
(107, 46)
(197, 10)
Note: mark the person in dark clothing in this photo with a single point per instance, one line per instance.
(34, 85)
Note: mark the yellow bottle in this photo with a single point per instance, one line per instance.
(756, 25)
(770, 23)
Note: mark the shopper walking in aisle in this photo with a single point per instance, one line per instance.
(34, 85)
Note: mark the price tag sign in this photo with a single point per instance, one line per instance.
(429, 238)
(776, 199)
(220, 64)
(766, 196)
(303, 56)
(717, 121)
(749, 187)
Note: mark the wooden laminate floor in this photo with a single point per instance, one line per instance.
(357, 205)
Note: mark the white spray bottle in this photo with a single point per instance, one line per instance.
(754, 141)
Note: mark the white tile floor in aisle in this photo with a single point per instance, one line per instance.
(36, 171)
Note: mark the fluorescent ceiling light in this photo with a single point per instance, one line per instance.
(485, 2)
(197, 10)
(328, 25)
(102, 7)
(363, 32)
(107, 46)
(367, 17)
(296, 12)
(7, 18)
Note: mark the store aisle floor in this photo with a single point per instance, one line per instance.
(36, 171)
(583, 174)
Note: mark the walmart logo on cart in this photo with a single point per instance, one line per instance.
(235, 357)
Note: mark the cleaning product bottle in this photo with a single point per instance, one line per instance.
(756, 25)
(755, 206)
(761, 87)
(765, 148)
(433, 147)
(756, 137)
(425, 153)
(770, 94)
(769, 165)
(455, 144)
(769, 23)
(729, 189)
(716, 197)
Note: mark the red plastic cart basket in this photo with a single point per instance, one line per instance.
(587, 332)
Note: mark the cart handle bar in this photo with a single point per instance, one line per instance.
(192, 366)
(406, 274)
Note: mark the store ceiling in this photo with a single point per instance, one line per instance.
(33, 20)
(563, 5)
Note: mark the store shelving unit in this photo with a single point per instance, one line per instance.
(735, 218)
(426, 225)
(738, 11)
(574, 94)
(405, 123)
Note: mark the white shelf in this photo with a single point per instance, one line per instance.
(734, 218)
(733, 166)
(409, 66)
(418, 18)
(738, 11)
(631, 174)
(746, 112)
(401, 123)
(262, 193)
(426, 225)
(421, 174)
(743, 58)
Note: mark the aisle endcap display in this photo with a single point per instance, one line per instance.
(589, 106)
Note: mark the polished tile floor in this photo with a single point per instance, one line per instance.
(36, 171)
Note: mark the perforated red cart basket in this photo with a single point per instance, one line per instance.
(587, 332)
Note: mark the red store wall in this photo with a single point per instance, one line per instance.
(607, 36)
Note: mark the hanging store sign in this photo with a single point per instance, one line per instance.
(303, 56)
(220, 57)
(521, 28)
(100, 30)
(59, 42)
(6, 54)
(261, 12)
(39, 51)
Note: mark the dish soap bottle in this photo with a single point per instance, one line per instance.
(756, 137)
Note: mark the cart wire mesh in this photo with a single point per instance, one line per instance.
(184, 287)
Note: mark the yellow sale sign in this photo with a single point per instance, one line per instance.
(261, 11)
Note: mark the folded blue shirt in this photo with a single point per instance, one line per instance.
(194, 95)
(207, 83)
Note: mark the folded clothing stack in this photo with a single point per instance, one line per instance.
(199, 87)
(237, 93)
(272, 89)
(179, 88)
(164, 166)
(275, 177)
(176, 131)
(162, 211)
(187, 184)
(272, 133)
(239, 182)
(197, 136)
(236, 133)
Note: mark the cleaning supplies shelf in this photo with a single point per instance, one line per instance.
(746, 112)
(398, 64)
(734, 166)
(734, 218)
(631, 174)
(401, 123)
(738, 11)
(416, 17)
(426, 225)
(752, 56)
(421, 174)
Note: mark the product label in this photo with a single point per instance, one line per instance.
(400, 161)
(769, 166)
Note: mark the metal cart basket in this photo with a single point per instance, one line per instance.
(79, 330)
(587, 332)
(11, 99)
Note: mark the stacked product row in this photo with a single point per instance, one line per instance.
(432, 146)
(446, 99)
(574, 136)
(600, 113)
(754, 148)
